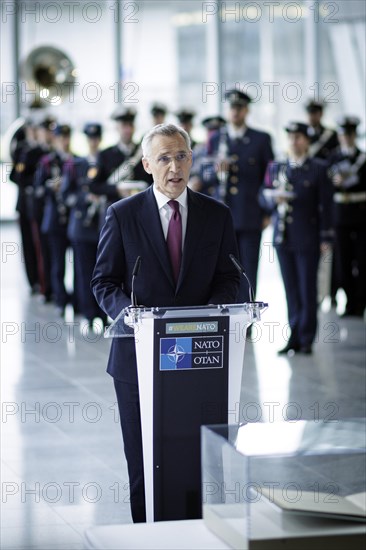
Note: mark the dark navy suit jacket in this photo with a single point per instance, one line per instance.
(133, 228)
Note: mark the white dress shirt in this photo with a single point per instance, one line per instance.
(166, 212)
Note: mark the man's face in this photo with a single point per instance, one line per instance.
(299, 143)
(347, 139)
(94, 143)
(314, 118)
(46, 136)
(170, 163)
(238, 114)
(125, 130)
(63, 143)
(158, 118)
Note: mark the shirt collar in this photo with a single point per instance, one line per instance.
(236, 133)
(162, 199)
(297, 162)
(126, 148)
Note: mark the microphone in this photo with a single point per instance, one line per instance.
(135, 272)
(240, 268)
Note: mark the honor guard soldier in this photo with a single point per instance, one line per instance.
(348, 173)
(119, 171)
(298, 192)
(242, 155)
(322, 140)
(48, 182)
(158, 113)
(185, 118)
(203, 168)
(25, 156)
(84, 221)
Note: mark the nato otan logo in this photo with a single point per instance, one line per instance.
(197, 352)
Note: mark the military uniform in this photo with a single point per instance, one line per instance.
(25, 159)
(301, 224)
(55, 218)
(185, 119)
(121, 162)
(349, 210)
(249, 151)
(84, 222)
(203, 172)
(323, 140)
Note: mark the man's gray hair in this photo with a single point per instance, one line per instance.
(163, 130)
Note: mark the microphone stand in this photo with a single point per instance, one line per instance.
(241, 270)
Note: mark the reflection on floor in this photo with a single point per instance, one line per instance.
(63, 467)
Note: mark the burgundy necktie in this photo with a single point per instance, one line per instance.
(174, 238)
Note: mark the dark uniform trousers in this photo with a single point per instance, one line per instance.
(299, 273)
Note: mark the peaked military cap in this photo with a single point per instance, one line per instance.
(297, 127)
(185, 115)
(213, 122)
(62, 130)
(237, 98)
(93, 129)
(347, 123)
(125, 114)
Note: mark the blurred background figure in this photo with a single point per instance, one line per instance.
(298, 193)
(348, 172)
(242, 155)
(185, 119)
(203, 167)
(25, 154)
(322, 140)
(84, 223)
(55, 217)
(158, 113)
(119, 171)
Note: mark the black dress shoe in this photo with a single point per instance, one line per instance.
(288, 348)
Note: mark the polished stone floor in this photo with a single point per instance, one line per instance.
(63, 467)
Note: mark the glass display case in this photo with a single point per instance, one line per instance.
(286, 484)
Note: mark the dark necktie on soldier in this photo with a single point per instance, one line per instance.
(174, 238)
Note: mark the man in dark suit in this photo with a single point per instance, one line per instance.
(184, 240)
(242, 155)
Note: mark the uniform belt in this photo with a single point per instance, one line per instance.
(349, 197)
